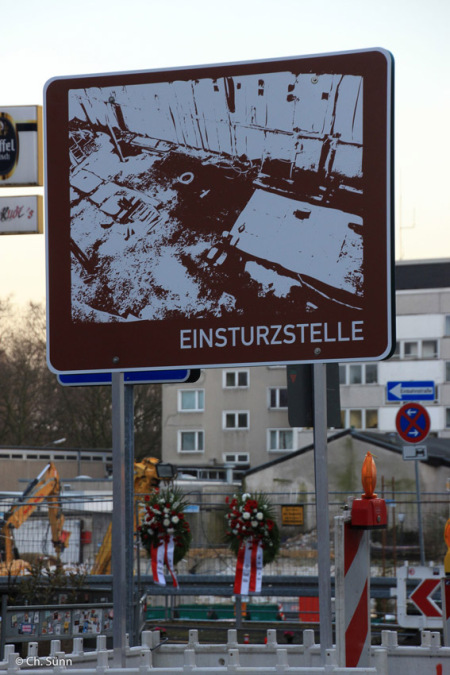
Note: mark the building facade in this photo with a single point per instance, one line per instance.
(239, 416)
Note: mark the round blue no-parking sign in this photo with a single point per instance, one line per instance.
(412, 422)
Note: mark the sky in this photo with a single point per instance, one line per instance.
(50, 38)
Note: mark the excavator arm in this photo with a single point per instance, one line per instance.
(45, 487)
(148, 474)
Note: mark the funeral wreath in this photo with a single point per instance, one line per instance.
(164, 518)
(252, 516)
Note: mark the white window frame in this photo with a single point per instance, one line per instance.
(400, 350)
(410, 357)
(278, 431)
(345, 368)
(197, 433)
(236, 458)
(436, 352)
(278, 396)
(236, 373)
(447, 325)
(236, 413)
(197, 393)
(363, 411)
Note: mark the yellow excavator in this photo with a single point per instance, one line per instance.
(45, 488)
(148, 474)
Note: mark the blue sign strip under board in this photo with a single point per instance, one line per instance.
(130, 377)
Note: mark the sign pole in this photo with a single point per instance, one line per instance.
(322, 512)
(129, 512)
(419, 514)
(118, 546)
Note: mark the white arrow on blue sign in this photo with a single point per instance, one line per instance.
(130, 377)
(411, 391)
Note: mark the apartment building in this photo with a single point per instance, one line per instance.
(239, 416)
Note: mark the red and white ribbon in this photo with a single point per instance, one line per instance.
(163, 554)
(168, 559)
(249, 568)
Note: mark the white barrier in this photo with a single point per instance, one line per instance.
(154, 657)
(428, 659)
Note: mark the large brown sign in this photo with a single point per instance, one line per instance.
(219, 215)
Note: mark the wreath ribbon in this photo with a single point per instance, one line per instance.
(249, 566)
(160, 555)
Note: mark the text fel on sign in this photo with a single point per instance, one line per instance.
(21, 146)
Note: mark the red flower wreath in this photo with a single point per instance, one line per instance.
(164, 518)
(252, 516)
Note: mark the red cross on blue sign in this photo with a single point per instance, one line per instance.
(412, 422)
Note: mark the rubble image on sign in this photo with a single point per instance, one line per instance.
(202, 198)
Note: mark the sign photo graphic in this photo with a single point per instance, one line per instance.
(226, 214)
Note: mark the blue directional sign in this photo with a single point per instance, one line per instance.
(130, 377)
(411, 391)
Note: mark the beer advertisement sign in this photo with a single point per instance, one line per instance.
(21, 146)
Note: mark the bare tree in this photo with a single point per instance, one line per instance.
(36, 410)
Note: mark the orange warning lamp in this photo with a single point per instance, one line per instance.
(447, 541)
(369, 477)
(369, 512)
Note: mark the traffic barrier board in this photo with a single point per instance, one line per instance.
(422, 600)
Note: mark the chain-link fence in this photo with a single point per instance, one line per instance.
(87, 519)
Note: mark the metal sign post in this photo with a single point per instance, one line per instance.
(129, 513)
(413, 424)
(322, 513)
(118, 548)
(419, 514)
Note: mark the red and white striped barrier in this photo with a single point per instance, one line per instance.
(352, 576)
(445, 594)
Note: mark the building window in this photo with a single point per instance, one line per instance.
(278, 397)
(417, 349)
(236, 458)
(355, 375)
(191, 441)
(355, 419)
(280, 440)
(429, 349)
(360, 419)
(235, 420)
(358, 374)
(447, 371)
(371, 419)
(447, 418)
(235, 379)
(411, 350)
(191, 400)
(371, 373)
(447, 325)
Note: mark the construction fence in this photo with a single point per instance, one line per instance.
(87, 518)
